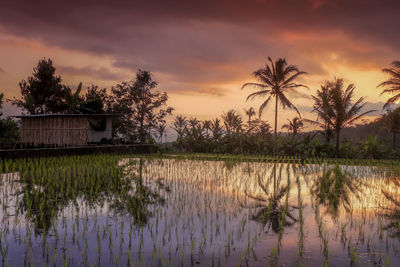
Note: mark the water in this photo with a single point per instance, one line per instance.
(207, 213)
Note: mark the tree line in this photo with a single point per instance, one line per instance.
(143, 110)
(334, 106)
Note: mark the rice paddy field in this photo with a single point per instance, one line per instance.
(109, 210)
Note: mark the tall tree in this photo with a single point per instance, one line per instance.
(275, 80)
(249, 113)
(42, 92)
(161, 127)
(392, 85)
(141, 105)
(179, 125)
(392, 121)
(322, 103)
(8, 127)
(232, 121)
(294, 126)
(342, 111)
(72, 101)
(94, 101)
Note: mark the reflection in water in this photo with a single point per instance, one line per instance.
(333, 187)
(48, 190)
(108, 211)
(270, 211)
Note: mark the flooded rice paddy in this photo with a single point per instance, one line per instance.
(114, 211)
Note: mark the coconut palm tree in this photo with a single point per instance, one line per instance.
(250, 113)
(341, 112)
(392, 85)
(179, 125)
(160, 130)
(232, 121)
(392, 121)
(294, 126)
(322, 102)
(275, 80)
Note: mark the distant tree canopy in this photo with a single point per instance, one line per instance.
(8, 127)
(143, 108)
(43, 92)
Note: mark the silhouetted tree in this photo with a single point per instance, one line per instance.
(392, 121)
(8, 127)
(232, 121)
(72, 101)
(321, 106)
(294, 126)
(141, 106)
(392, 85)
(276, 79)
(42, 92)
(161, 130)
(341, 112)
(249, 113)
(95, 100)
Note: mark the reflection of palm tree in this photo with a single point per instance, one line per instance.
(392, 214)
(269, 209)
(333, 188)
(276, 79)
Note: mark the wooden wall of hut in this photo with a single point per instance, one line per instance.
(58, 131)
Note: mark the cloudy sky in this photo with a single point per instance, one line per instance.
(201, 52)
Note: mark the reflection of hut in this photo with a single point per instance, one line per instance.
(65, 129)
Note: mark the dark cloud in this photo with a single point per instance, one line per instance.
(100, 73)
(211, 41)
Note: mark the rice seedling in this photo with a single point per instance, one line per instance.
(172, 210)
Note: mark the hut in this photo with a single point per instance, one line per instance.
(65, 129)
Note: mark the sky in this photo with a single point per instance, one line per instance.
(201, 52)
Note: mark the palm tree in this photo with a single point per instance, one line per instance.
(250, 113)
(161, 130)
(179, 125)
(340, 112)
(276, 79)
(73, 101)
(392, 85)
(232, 121)
(322, 102)
(392, 120)
(216, 129)
(294, 126)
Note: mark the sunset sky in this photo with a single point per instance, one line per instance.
(201, 52)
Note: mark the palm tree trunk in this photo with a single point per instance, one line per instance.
(337, 142)
(276, 122)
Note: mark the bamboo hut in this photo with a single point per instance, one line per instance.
(65, 129)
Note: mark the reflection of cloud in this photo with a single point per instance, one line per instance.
(100, 73)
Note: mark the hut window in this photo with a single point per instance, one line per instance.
(98, 123)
